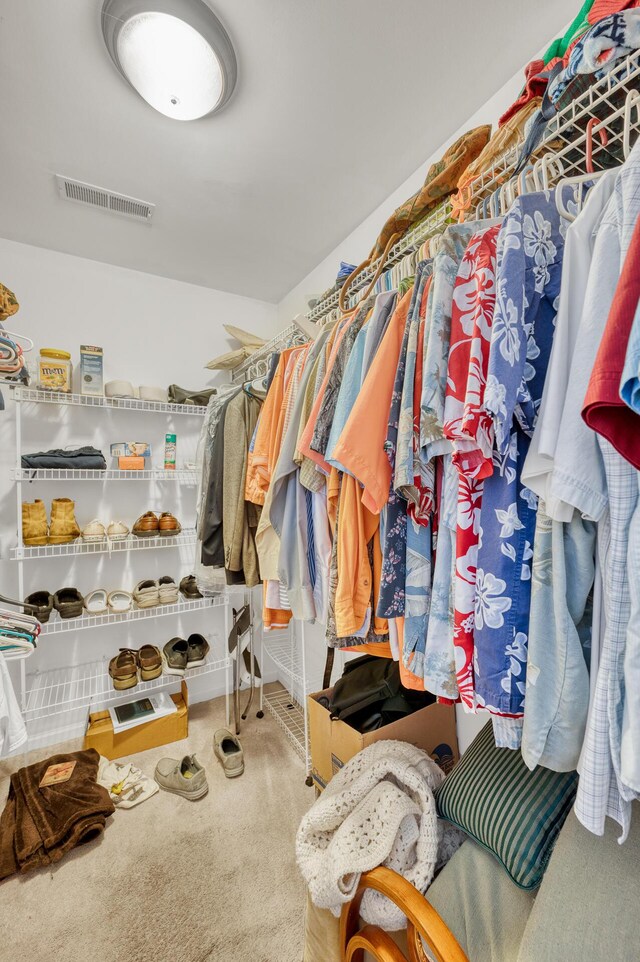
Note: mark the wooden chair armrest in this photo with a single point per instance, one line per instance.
(423, 922)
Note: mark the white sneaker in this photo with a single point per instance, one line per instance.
(94, 532)
(117, 531)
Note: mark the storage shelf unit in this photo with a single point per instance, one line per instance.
(89, 686)
(289, 714)
(186, 538)
(180, 475)
(286, 655)
(59, 625)
(37, 396)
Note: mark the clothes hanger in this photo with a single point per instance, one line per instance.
(17, 338)
(633, 100)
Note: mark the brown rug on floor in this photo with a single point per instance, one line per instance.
(173, 880)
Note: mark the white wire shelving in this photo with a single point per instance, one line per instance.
(38, 396)
(257, 364)
(286, 655)
(187, 538)
(432, 224)
(76, 687)
(57, 625)
(290, 716)
(179, 476)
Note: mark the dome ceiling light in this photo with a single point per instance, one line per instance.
(175, 53)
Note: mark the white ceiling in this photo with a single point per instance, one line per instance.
(338, 101)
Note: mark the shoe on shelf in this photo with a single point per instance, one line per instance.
(168, 590)
(189, 588)
(117, 531)
(175, 656)
(228, 750)
(149, 661)
(35, 528)
(42, 602)
(96, 602)
(186, 778)
(198, 651)
(68, 602)
(168, 525)
(94, 532)
(64, 527)
(146, 594)
(147, 525)
(119, 601)
(123, 670)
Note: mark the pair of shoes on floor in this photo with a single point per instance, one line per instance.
(149, 525)
(179, 654)
(36, 529)
(96, 531)
(100, 601)
(149, 593)
(185, 777)
(131, 666)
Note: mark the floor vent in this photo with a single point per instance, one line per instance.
(90, 195)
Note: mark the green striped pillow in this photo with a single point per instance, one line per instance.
(514, 813)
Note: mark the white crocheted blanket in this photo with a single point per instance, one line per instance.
(377, 810)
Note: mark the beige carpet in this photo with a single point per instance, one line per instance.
(172, 879)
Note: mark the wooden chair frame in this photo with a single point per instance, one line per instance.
(423, 923)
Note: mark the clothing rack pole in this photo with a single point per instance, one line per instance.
(227, 671)
(305, 710)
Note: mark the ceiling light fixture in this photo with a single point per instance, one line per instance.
(175, 53)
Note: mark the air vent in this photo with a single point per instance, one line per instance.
(92, 196)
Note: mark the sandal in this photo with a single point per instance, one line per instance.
(119, 601)
(96, 602)
(150, 662)
(123, 670)
(68, 602)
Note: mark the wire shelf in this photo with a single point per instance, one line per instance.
(285, 654)
(57, 625)
(38, 396)
(258, 363)
(290, 717)
(180, 475)
(75, 687)
(186, 538)
(410, 242)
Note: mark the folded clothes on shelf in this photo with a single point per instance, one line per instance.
(86, 458)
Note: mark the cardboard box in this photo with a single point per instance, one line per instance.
(129, 463)
(152, 734)
(333, 742)
(91, 370)
(130, 449)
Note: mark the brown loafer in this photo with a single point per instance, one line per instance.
(168, 524)
(189, 587)
(123, 670)
(146, 526)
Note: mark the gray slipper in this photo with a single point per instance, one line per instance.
(229, 750)
(186, 778)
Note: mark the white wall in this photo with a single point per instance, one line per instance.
(354, 249)
(154, 331)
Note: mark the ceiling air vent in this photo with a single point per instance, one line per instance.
(92, 196)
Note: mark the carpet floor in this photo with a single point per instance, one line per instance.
(207, 881)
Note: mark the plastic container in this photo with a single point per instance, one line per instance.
(54, 370)
(170, 444)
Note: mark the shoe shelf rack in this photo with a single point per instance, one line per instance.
(45, 693)
(180, 475)
(186, 539)
(37, 396)
(288, 705)
(57, 625)
(89, 686)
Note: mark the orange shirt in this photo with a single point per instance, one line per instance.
(258, 462)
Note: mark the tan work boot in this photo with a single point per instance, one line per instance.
(35, 529)
(64, 527)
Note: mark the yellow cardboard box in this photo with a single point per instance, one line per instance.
(151, 734)
(333, 742)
